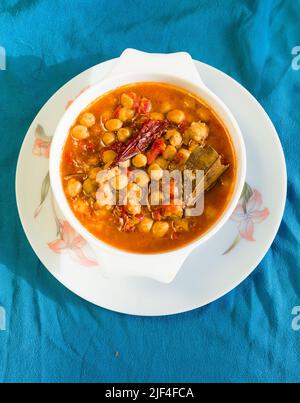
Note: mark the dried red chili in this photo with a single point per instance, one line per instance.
(148, 133)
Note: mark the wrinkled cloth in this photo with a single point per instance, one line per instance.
(53, 335)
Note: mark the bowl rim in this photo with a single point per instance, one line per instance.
(80, 103)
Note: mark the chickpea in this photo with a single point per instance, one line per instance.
(89, 186)
(123, 134)
(160, 228)
(106, 115)
(139, 161)
(104, 198)
(203, 113)
(162, 162)
(106, 188)
(108, 156)
(176, 139)
(156, 198)
(183, 155)
(108, 138)
(82, 207)
(134, 208)
(127, 101)
(176, 116)
(165, 107)
(80, 132)
(93, 173)
(73, 187)
(134, 192)
(156, 116)
(141, 178)
(145, 225)
(169, 153)
(173, 211)
(133, 187)
(198, 131)
(105, 175)
(182, 225)
(113, 124)
(87, 119)
(101, 211)
(170, 133)
(155, 172)
(124, 164)
(119, 182)
(125, 114)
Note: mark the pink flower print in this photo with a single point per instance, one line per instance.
(41, 148)
(72, 243)
(42, 142)
(249, 213)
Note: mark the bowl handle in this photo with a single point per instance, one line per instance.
(160, 267)
(178, 64)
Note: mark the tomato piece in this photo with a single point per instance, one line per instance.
(139, 217)
(144, 106)
(179, 158)
(157, 215)
(157, 148)
(117, 111)
(136, 100)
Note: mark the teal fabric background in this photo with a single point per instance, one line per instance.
(53, 335)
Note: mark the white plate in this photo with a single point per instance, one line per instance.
(212, 269)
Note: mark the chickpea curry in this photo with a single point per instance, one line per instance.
(125, 141)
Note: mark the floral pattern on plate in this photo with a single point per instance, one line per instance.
(247, 213)
(72, 243)
(68, 240)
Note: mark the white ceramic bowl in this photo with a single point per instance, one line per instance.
(134, 66)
